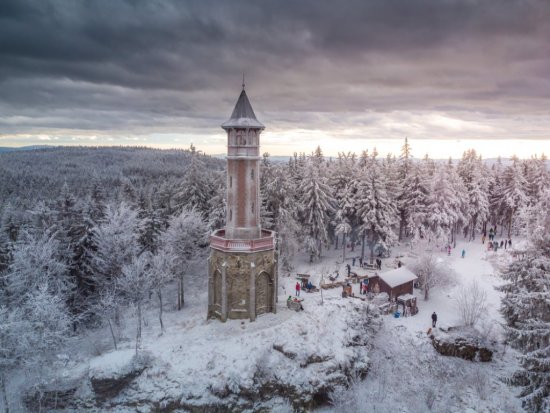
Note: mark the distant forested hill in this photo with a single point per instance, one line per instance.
(39, 175)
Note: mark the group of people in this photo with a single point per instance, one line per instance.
(298, 287)
(495, 245)
(462, 254)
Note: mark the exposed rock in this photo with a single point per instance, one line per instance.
(43, 399)
(279, 347)
(314, 358)
(462, 343)
(106, 388)
(108, 384)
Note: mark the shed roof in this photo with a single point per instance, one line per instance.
(399, 276)
(406, 297)
(243, 115)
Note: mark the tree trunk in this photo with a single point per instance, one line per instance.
(363, 245)
(372, 252)
(112, 332)
(336, 237)
(138, 330)
(426, 290)
(401, 226)
(181, 300)
(344, 249)
(4, 393)
(454, 235)
(159, 294)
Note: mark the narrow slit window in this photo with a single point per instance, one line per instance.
(230, 181)
(252, 207)
(252, 174)
(230, 215)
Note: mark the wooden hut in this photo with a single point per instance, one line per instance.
(396, 282)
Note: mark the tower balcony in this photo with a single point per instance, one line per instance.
(264, 243)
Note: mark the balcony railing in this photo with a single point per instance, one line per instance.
(264, 243)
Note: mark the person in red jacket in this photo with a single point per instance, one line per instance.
(297, 289)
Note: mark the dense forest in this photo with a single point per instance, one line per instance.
(88, 232)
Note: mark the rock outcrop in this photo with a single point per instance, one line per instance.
(298, 363)
(463, 343)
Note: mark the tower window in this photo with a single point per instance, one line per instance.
(230, 181)
(230, 215)
(252, 174)
(252, 207)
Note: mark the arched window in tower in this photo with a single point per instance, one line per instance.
(252, 174)
(230, 181)
(252, 207)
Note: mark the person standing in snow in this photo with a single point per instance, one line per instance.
(349, 269)
(361, 262)
(501, 244)
(434, 319)
(297, 289)
(353, 261)
(449, 250)
(463, 253)
(510, 242)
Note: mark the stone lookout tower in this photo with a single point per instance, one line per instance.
(242, 269)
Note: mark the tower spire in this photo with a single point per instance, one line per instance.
(243, 80)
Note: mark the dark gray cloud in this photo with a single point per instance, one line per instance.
(135, 67)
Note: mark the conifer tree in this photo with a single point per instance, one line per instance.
(316, 203)
(526, 308)
(377, 212)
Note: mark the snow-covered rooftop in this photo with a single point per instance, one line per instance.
(243, 115)
(398, 276)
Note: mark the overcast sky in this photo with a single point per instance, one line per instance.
(348, 75)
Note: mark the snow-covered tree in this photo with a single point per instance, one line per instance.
(442, 207)
(526, 308)
(471, 303)
(161, 273)
(185, 235)
(375, 208)
(315, 205)
(404, 165)
(117, 243)
(35, 262)
(416, 189)
(475, 177)
(197, 187)
(135, 283)
(431, 271)
(514, 186)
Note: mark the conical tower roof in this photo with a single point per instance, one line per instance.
(243, 115)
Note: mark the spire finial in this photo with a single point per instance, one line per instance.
(243, 80)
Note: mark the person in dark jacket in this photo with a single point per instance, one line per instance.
(349, 269)
(434, 319)
(501, 244)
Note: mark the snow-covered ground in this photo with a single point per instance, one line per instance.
(203, 362)
(408, 375)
